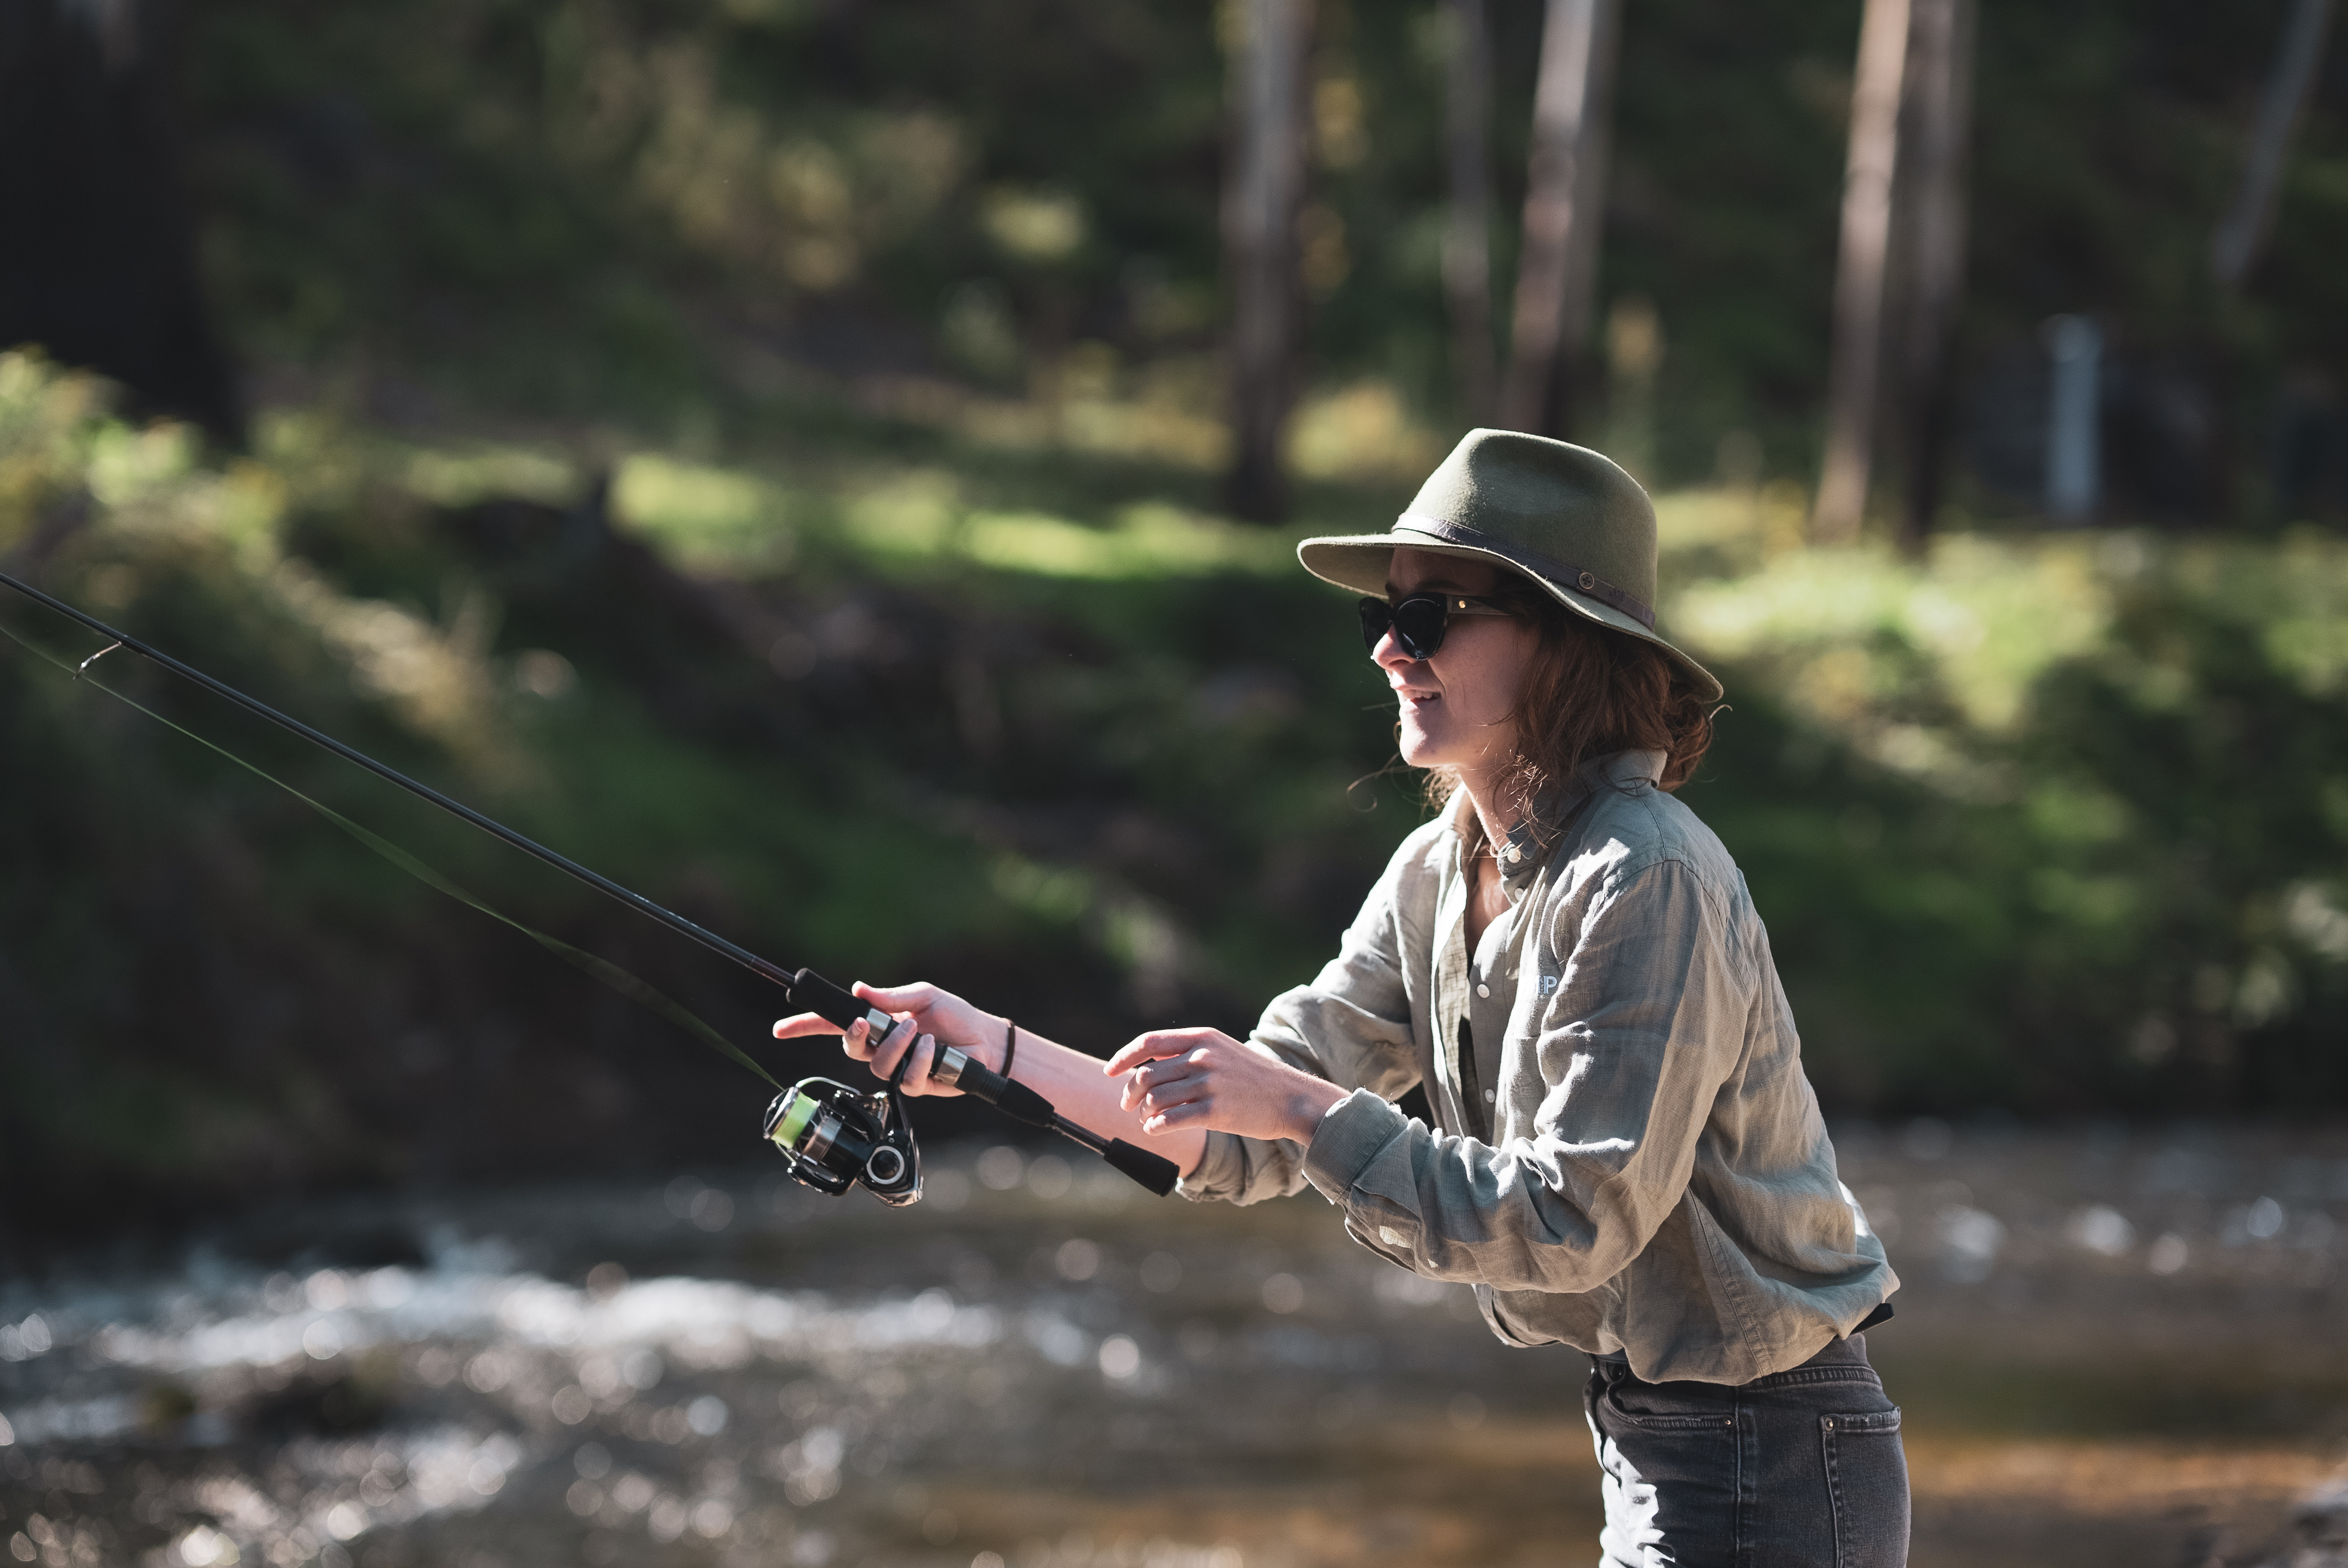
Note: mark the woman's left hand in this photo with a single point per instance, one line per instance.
(1203, 1078)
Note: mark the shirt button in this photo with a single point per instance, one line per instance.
(1515, 854)
(1487, 1097)
(1483, 991)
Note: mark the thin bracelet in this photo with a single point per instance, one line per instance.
(1009, 1045)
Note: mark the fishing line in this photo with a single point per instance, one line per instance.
(633, 987)
(832, 1135)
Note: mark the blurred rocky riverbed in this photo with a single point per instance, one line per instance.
(2114, 1346)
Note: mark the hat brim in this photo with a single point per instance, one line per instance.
(1360, 562)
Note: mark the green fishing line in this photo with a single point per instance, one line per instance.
(611, 974)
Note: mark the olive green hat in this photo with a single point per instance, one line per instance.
(1560, 515)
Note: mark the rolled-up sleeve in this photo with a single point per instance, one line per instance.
(1351, 1025)
(1632, 1049)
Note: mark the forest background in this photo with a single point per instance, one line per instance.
(776, 451)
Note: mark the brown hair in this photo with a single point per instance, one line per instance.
(1589, 693)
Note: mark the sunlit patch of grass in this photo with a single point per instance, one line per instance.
(1361, 431)
(47, 420)
(911, 514)
(706, 516)
(1916, 663)
(1149, 540)
(460, 475)
(1167, 413)
(1911, 662)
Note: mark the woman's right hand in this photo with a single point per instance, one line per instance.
(932, 1012)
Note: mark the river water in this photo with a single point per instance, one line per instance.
(2113, 1347)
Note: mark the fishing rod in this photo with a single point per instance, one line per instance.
(833, 1135)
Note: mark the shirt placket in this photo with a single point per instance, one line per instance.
(1449, 1004)
(1497, 983)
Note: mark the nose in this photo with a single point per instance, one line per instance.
(1388, 654)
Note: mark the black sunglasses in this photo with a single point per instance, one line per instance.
(1419, 621)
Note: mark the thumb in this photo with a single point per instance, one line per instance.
(893, 999)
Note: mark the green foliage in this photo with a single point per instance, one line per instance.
(2051, 822)
(608, 208)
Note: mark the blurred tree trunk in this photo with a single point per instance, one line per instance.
(1565, 209)
(98, 256)
(1466, 235)
(2235, 247)
(1856, 351)
(1263, 194)
(1929, 202)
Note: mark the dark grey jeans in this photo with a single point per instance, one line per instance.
(1800, 1469)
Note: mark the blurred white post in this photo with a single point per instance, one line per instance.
(2238, 238)
(1565, 206)
(1857, 348)
(1263, 193)
(1468, 227)
(2075, 461)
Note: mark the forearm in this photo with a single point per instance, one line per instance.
(1088, 1096)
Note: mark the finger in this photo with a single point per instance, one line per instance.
(803, 1023)
(1143, 1078)
(891, 1050)
(1150, 1047)
(917, 1077)
(858, 1041)
(1186, 1091)
(1175, 1117)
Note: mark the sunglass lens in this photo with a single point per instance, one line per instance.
(1418, 625)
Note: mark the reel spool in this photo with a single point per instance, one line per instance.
(834, 1136)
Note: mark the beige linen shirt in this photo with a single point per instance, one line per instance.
(1626, 1156)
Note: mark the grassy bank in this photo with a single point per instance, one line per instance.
(2042, 822)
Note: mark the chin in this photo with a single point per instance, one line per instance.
(1421, 750)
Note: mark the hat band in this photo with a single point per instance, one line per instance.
(1589, 584)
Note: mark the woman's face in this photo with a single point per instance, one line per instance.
(1455, 705)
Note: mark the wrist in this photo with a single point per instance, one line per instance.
(1309, 1105)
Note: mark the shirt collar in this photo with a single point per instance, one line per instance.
(1525, 847)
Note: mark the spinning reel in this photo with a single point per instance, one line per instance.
(835, 1136)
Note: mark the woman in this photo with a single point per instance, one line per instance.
(1626, 1158)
